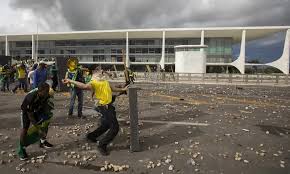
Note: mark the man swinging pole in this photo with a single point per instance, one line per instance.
(103, 94)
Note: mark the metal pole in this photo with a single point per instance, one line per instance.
(230, 78)
(217, 77)
(133, 111)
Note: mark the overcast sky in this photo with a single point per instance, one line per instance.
(23, 16)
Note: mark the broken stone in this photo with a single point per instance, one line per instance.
(39, 161)
(168, 161)
(171, 167)
(238, 156)
(191, 161)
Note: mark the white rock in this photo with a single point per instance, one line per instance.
(171, 167)
(103, 169)
(168, 161)
(3, 152)
(267, 132)
(176, 143)
(246, 161)
(282, 165)
(64, 162)
(23, 170)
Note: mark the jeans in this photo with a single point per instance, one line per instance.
(22, 83)
(5, 84)
(108, 122)
(73, 93)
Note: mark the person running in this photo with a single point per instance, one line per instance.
(22, 78)
(36, 109)
(103, 94)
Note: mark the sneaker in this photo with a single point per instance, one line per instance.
(103, 151)
(24, 156)
(46, 145)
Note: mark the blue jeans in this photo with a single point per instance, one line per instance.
(22, 83)
(73, 93)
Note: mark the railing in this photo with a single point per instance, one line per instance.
(262, 79)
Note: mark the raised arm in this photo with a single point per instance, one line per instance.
(78, 84)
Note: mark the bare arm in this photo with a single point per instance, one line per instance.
(78, 84)
(115, 89)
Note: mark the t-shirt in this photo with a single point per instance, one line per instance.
(102, 90)
(30, 76)
(21, 73)
(33, 103)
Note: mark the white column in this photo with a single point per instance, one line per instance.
(162, 60)
(202, 38)
(6, 46)
(127, 50)
(240, 62)
(282, 63)
(33, 48)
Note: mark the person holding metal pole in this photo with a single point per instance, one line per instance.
(103, 94)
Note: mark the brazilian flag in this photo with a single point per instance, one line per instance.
(43, 118)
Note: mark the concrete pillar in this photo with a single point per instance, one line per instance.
(6, 46)
(240, 62)
(282, 63)
(33, 48)
(133, 111)
(162, 60)
(127, 50)
(202, 38)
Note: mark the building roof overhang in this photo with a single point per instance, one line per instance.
(232, 32)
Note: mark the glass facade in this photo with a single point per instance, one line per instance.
(110, 50)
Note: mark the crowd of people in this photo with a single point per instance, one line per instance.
(26, 77)
(40, 81)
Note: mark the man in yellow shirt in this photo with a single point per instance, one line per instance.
(22, 78)
(103, 94)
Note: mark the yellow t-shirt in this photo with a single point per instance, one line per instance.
(102, 91)
(21, 73)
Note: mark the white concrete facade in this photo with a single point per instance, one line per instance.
(239, 34)
(190, 59)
